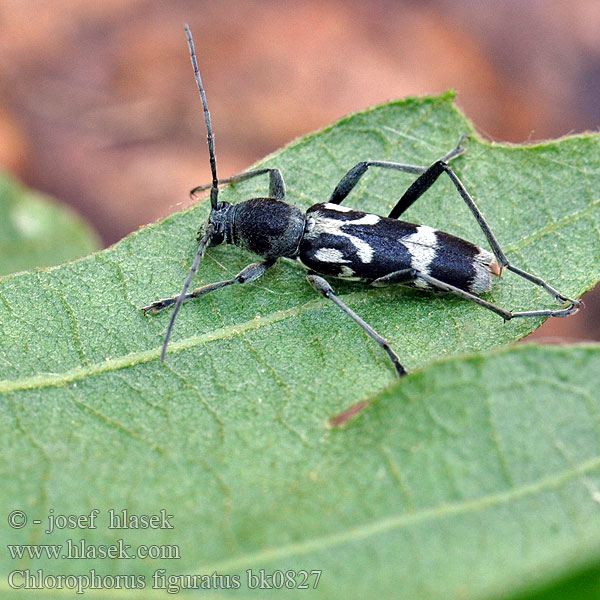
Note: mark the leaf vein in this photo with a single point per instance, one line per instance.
(385, 525)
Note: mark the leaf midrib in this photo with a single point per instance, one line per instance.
(376, 527)
(390, 523)
(45, 380)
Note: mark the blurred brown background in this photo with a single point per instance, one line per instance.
(98, 105)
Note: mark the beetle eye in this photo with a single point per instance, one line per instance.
(217, 238)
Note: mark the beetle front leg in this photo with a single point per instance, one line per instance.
(276, 182)
(248, 274)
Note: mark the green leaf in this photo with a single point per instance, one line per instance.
(464, 480)
(229, 435)
(577, 584)
(37, 232)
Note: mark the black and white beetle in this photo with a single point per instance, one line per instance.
(341, 242)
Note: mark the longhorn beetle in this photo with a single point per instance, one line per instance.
(336, 241)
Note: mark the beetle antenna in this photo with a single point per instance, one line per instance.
(208, 233)
(214, 190)
(214, 193)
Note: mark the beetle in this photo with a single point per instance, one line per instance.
(336, 241)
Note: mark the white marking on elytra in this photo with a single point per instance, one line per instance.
(368, 219)
(317, 224)
(330, 255)
(482, 282)
(422, 247)
(485, 257)
(338, 207)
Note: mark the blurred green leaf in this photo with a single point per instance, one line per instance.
(451, 485)
(36, 232)
(576, 583)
